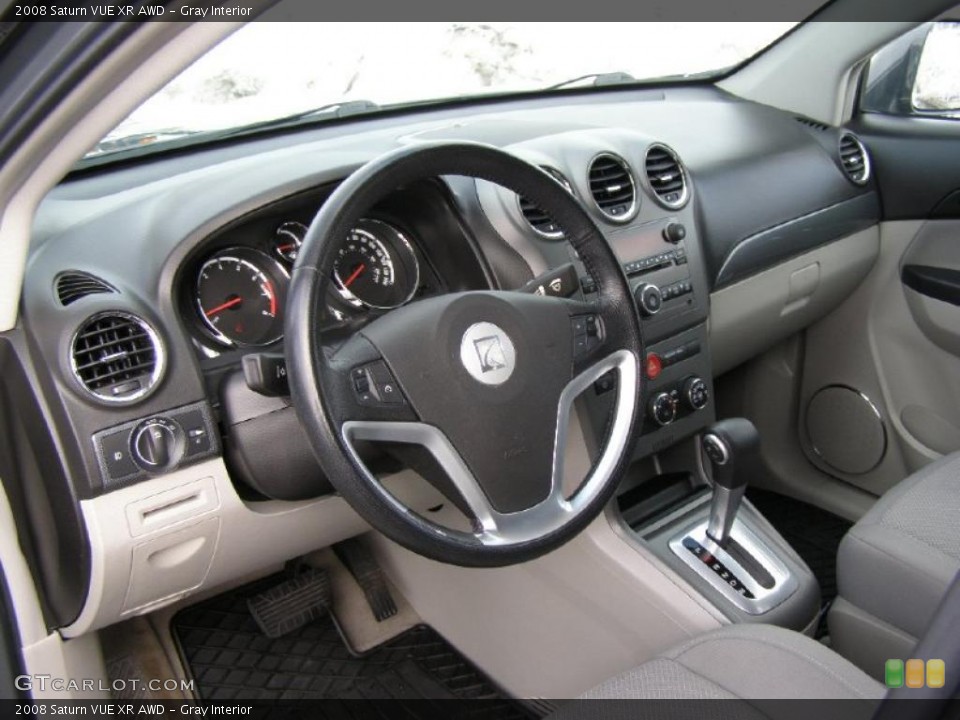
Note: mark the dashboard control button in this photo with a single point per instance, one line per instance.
(674, 232)
(663, 409)
(195, 427)
(115, 449)
(157, 444)
(695, 393)
(649, 299)
(653, 366)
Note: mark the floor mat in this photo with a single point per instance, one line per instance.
(814, 533)
(230, 659)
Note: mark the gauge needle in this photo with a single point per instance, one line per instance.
(354, 275)
(219, 308)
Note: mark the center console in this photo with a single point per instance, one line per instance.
(684, 497)
(663, 263)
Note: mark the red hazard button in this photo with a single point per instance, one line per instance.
(654, 366)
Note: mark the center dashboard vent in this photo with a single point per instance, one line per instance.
(612, 187)
(854, 160)
(117, 357)
(538, 219)
(75, 285)
(667, 177)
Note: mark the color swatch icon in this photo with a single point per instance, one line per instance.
(915, 673)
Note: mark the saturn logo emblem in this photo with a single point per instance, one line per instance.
(488, 354)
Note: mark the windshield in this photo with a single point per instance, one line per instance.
(271, 70)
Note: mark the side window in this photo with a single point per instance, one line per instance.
(916, 74)
(937, 85)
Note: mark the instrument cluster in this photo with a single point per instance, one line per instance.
(237, 293)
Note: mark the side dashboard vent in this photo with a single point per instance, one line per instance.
(74, 285)
(612, 187)
(538, 219)
(811, 123)
(667, 177)
(854, 160)
(117, 357)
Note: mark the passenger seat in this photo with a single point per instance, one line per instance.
(895, 565)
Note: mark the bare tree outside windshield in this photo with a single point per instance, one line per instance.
(271, 70)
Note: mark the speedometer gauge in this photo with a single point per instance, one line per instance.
(376, 266)
(240, 297)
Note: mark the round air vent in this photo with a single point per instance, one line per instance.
(542, 223)
(117, 357)
(854, 160)
(667, 177)
(612, 187)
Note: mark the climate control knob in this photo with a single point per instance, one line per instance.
(158, 444)
(695, 393)
(662, 409)
(649, 299)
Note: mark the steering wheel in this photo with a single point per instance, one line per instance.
(485, 381)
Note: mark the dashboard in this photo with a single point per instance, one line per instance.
(154, 299)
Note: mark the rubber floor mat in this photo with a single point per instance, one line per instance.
(230, 659)
(814, 533)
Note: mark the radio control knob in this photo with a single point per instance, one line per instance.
(695, 393)
(662, 409)
(158, 444)
(674, 232)
(649, 299)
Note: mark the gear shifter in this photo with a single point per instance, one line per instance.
(732, 446)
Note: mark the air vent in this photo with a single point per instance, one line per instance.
(811, 123)
(117, 357)
(612, 187)
(854, 160)
(542, 223)
(74, 285)
(667, 178)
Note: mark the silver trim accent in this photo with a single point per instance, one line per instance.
(225, 254)
(405, 245)
(785, 584)
(499, 529)
(634, 206)
(867, 168)
(723, 511)
(159, 352)
(876, 411)
(684, 176)
(643, 291)
(562, 180)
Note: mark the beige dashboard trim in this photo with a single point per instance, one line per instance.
(199, 534)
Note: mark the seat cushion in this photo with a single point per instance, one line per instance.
(898, 560)
(752, 662)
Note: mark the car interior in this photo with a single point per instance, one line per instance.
(640, 390)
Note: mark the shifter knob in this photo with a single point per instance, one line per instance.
(732, 446)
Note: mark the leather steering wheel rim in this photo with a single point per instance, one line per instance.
(511, 524)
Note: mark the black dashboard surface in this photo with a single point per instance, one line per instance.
(764, 187)
(141, 228)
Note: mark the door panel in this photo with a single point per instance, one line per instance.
(901, 384)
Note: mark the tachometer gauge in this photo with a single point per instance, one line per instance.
(240, 297)
(288, 238)
(376, 266)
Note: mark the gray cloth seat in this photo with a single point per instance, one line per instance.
(743, 661)
(895, 565)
